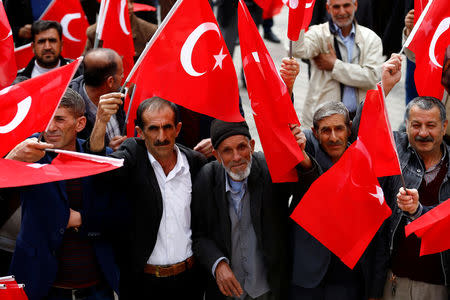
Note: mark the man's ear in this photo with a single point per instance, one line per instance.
(139, 131)
(110, 81)
(252, 145)
(178, 128)
(81, 123)
(315, 132)
(216, 155)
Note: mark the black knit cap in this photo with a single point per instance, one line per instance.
(221, 130)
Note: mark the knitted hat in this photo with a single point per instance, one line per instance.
(221, 130)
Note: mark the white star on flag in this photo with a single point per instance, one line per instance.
(379, 195)
(219, 59)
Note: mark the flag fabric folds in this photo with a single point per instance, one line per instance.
(187, 62)
(67, 165)
(300, 15)
(376, 133)
(270, 100)
(432, 228)
(344, 207)
(73, 22)
(8, 68)
(114, 17)
(428, 40)
(23, 55)
(27, 107)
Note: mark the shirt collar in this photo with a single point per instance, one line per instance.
(180, 167)
(228, 187)
(444, 152)
(339, 31)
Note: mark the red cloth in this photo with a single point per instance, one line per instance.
(118, 35)
(429, 43)
(376, 133)
(344, 207)
(273, 9)
(142, 7)
(187, 62)
(432, 228)
(67, 165)
(74, 23)
(28, 107)
(8, 70)
(13, 293)
(270, 100)
(23, 55)
(300, 14)
(419, 6)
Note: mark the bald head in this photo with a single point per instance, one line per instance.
(99, 64)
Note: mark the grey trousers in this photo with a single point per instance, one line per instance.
(407, 289)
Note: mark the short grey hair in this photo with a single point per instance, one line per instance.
(73, 102)
(328, 109)
(426, 103)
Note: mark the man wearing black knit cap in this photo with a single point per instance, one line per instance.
(239, 217)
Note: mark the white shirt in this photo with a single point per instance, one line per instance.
(38, 70)
(174, 243)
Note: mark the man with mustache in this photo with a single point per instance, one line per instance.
(47, 45)
(155, 254)
(239, 217)
(345, 59)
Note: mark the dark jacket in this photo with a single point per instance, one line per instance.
(19, 14)
(77, 85)
(45, 213)
(137, 238)
(64, 61)
(211, 225)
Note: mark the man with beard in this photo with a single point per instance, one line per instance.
(47, 45)
(239, 217)
(346, 59)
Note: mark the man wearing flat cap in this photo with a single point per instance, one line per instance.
(239, 217)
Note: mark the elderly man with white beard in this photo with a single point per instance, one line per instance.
(239, 217)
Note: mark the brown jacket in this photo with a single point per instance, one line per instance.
(141, 30)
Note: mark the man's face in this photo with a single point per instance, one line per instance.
(342, 12)
(118, 77)
(159, 132)
(235, 154)
(332, 134)
(425, 130)
(63, 129)
(47, 47)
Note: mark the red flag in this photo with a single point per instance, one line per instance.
(118, 36)
(74, 24)
(142, 7)
(12, 291)
(271, 103)
(344, 207)
(27, 107)
(376, 133)
(23, 55)
(8, 70)
(428, 40)
(419, 6)
(296, 17)
(187, 62)
(307, 15)
(67, 165)
(432, 228)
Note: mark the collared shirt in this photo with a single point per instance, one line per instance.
(38, 70)
(349, 94)
(432, 172)
(174, 243)
(237, 190)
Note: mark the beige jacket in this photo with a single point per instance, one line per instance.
(363, 72)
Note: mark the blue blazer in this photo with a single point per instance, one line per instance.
(45, 214)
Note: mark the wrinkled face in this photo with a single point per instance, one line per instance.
(425, 130)
(342, 12)
(333, 134)
(159, 132)
(235, 155)
(63, 129)
(47, 47)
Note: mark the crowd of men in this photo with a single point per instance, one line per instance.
(199, 217)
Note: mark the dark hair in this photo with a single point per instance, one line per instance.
(426, 103)
(328, 109)
(96, 73)
(43, 25)
(155, 104)
(74, 102)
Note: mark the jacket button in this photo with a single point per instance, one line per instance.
(61, 231)
(418, 171)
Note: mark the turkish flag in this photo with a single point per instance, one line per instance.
(419, 6)
(428, 40)
(376, 133)
(344, 207)
(27, 107)
(12, 293)
(187, 62)
(23, 55)
(432, 228)
(74, 24)
(270, 100)
(115, 18)
(67, 165)
(8, 70)
(142, 7)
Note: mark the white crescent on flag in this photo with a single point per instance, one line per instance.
(123, 25)
(443, 27)
(23, 107)
(65, 21)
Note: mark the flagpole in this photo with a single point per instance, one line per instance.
(100, 22)
(290, 50)
(124, 130)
